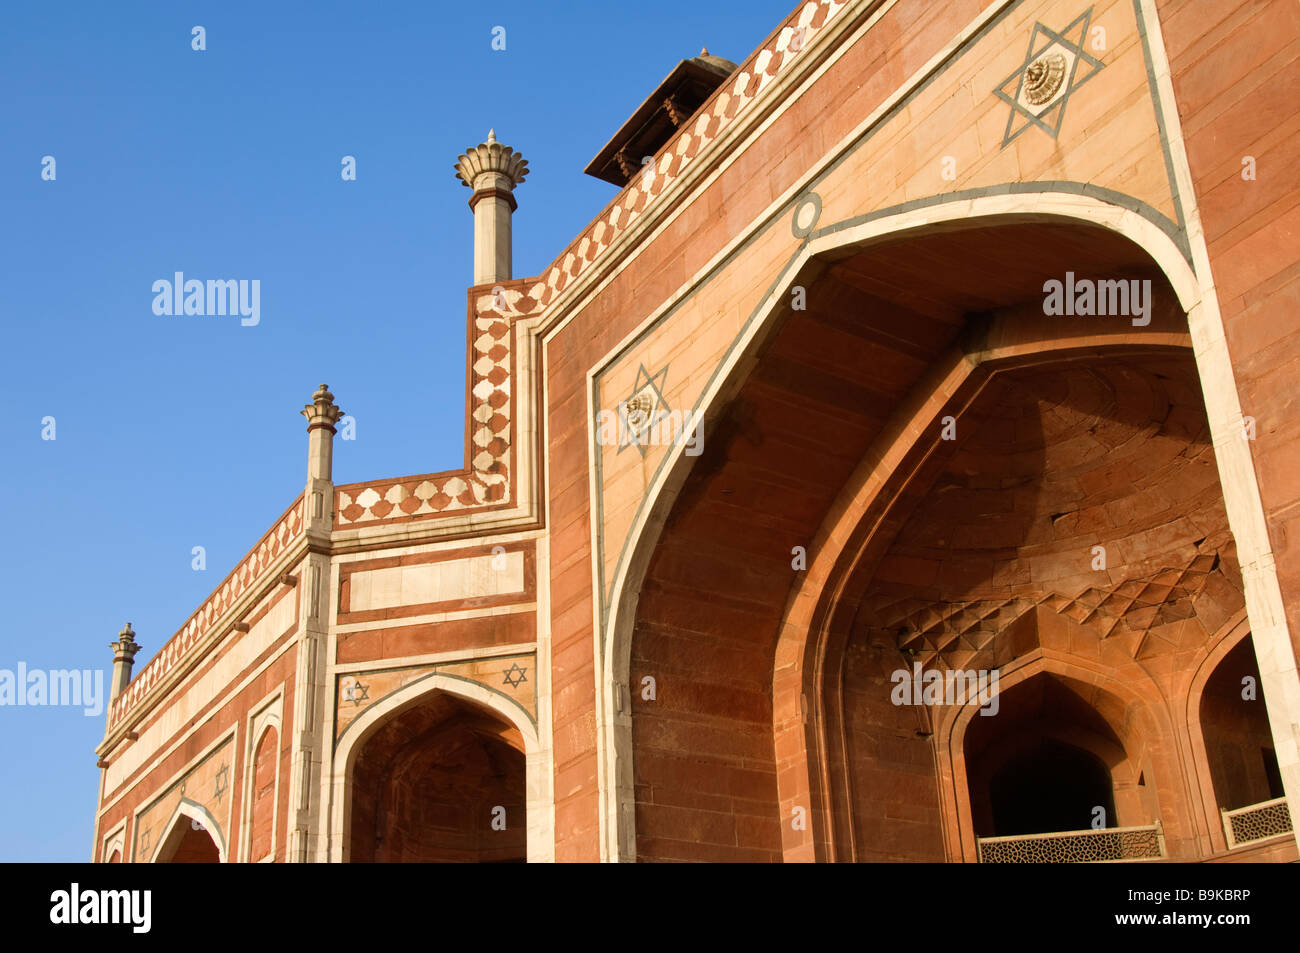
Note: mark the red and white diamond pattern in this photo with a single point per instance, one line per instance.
(487, 481)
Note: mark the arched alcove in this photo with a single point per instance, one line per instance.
(1234, 724)
(1042, 764)
(441, 780)
(188, 840)
(262, 815)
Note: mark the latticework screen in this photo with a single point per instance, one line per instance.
(1256, 822)
(1074, 847)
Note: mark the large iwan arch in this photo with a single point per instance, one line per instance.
(982, 346)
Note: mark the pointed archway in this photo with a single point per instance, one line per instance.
(443, 769)
(440, 781)
(1046, 763)
(192, 838)
(1234, 724)
(823, 448)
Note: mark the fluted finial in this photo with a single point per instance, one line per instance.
(492, 172)
(491, 165)
(126, 646)
(124, 652)
(322, 411)
(322, 414)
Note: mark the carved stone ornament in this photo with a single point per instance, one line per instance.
(1043, 78)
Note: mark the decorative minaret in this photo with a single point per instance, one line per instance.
(322, 414)
(492, 171)
(306, 838)
(124, 650)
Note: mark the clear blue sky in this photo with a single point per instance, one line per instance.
(176, 432)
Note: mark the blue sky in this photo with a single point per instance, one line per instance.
(176, 432)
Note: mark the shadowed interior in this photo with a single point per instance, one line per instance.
(441, 780)
(188, 844)
(1238, 742)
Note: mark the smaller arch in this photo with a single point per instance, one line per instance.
(538, 783)
(1226, 643)
(1223, 642)
(186, 814)
(269, 723)
(264, 784)
(114, 847)
(1151, 758)
(1049, 772)
(267, 717)
(811, 633)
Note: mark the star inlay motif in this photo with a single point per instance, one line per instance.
(641, 410)
(355, 691)
(1039, 89)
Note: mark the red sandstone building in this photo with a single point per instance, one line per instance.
(934, 341)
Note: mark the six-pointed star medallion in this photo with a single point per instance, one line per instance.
(639, 412)
(355, 691)
(1054, 68)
